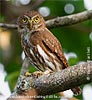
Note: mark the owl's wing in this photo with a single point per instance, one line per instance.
(51, 42)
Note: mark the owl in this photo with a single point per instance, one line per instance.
(41, 47)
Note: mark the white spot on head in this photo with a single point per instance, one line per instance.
(44, 11)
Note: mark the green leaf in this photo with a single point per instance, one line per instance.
(72, 61)
(2, 18)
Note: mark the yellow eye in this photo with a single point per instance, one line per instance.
(36, 19)
(24, 20)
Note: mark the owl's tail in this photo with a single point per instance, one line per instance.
(76, 91)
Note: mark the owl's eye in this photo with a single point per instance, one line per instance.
(36, 19)
(24, 20)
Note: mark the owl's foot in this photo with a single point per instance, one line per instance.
(38, 73)
(35, 74)
(76, 91)
(27, 74)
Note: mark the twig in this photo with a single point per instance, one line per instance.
(12, 26)
(25, 66)
(60, 21)
(57, 81)
(69, 20)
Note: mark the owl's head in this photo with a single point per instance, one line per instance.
(31, 20)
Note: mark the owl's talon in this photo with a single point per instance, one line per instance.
(27, 74)
(38, 73)
(34, 74)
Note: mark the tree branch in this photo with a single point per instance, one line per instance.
(25, 66)
(12, 26)
(69, 20)
(60, 21)
(57, 81)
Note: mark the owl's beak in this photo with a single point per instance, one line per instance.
(30, 21)
(31, 24)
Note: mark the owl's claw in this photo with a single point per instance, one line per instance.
(27, 74)
(39, 73)
(35, 74)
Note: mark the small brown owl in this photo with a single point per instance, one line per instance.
(40, 45)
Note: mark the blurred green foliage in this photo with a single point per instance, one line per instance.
(73, 38)
(1, 18)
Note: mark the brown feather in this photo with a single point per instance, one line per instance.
(53, 44)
